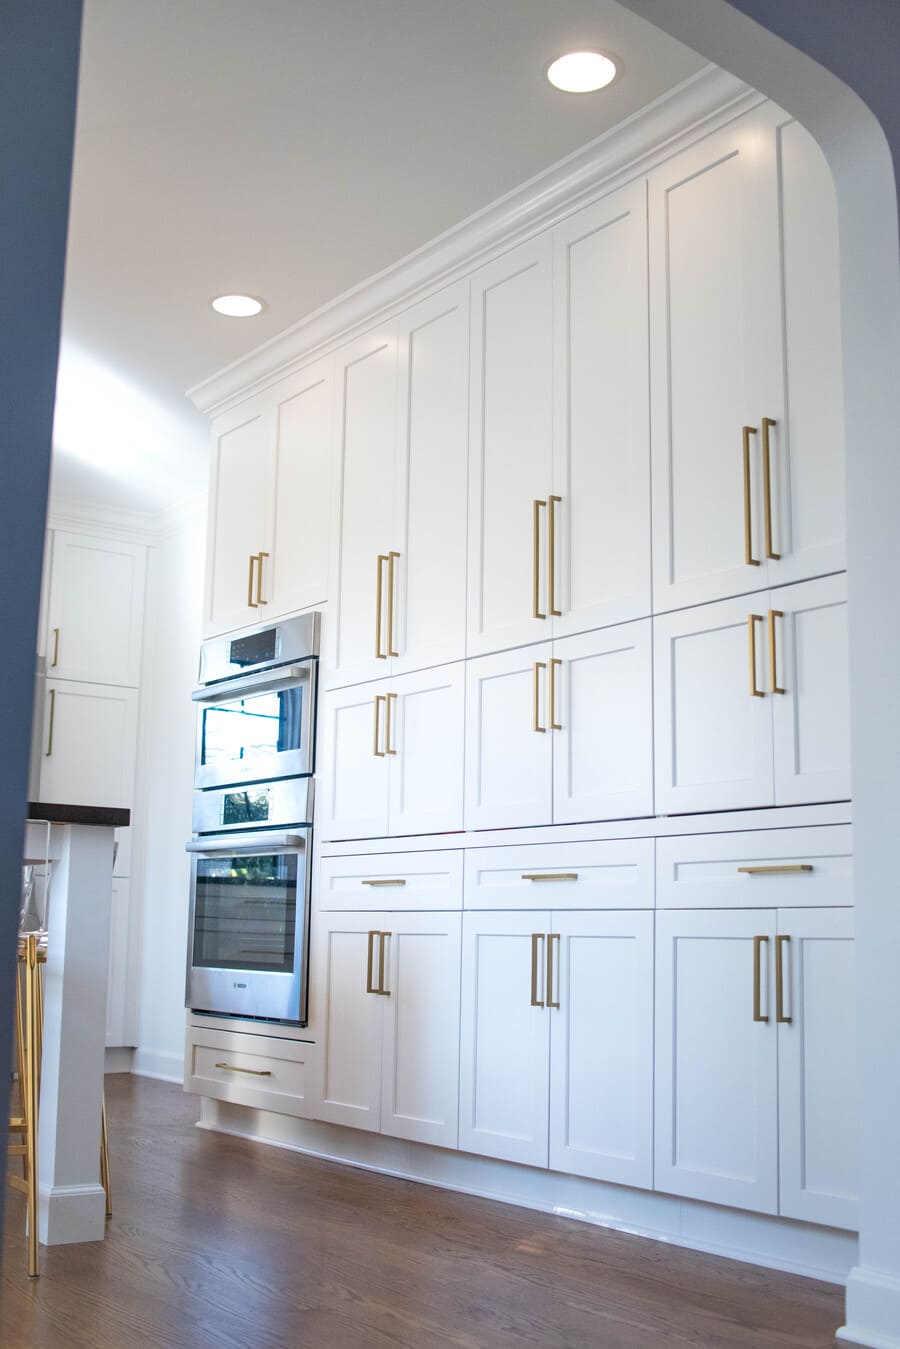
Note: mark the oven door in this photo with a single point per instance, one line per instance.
(248, 944)
(256, 728)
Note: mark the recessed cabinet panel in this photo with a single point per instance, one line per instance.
(509, 744)
(120, 1000)
(426, 712)
(349, 1015)
(353, 784)
(95, 609)
(239, 515)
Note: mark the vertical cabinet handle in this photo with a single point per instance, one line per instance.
(536, 701)
(773, 663)
(251, 602)
(370, 960)
(757, 978)
(381, 990)
(536, 558)
(551, 938)
(536, 937)
(390, 605)
(554, 724)
(780, 943)
(55, 660)
(551, 550)
(767, 424)
(752, 620)
(379, 587)
(52, 719)
(749, 559)
(388, 749)
(259, 578)
(376, 750)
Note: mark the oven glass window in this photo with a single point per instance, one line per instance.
(246, 912)
(263, 723)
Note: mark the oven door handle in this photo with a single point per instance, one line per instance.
(227, 689)
(244, 844)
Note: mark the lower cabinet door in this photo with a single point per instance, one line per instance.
(420, 1047)
(504, 1037)
(716, 1135)
(601, 1045)
(817, 1067)
(349, 1015)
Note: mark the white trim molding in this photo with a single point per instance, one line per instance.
(163, 1066)
(68, 1213)
(873, 1299)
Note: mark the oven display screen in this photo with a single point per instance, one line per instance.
(248, 807)
(256, 649)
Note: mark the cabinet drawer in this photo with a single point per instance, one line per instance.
(256, 1070)
(392, 881)
(788, 868)
(608, 875)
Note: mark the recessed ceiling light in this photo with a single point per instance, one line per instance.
(237, 306)
(581, 72)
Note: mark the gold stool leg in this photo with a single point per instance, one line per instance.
(104, 1157)
(31, 1096)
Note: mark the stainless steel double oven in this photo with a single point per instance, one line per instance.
(248, 942)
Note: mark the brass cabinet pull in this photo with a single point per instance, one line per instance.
(254, 1072)
(752, 620)
(550, 876)
(398, 881)
(757, 977)
(535, 938)
(251, 602)
(379, 699)
(379, 587)
(52, 719)
(749, 559)
(387, 724)
(381, 990)
(551, 549)
(536, 713)
(779, 981)
(536, 559)
(783, 869)
(554, 724)
(55, 660)
(259, 579)
(370, 954)
(773, 664)
(390, 604)
(767, 424)
(551, 938)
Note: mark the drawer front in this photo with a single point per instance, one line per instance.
(255, 1070)
(609, 875)
(766, 868)
(396, 882)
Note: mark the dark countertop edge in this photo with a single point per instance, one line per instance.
(111, 817)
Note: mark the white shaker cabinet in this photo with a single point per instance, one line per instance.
(95, 609)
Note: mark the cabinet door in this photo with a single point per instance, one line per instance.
(119, 987)
(817, 1067)
(349, 1017)
(352, 783)
(90, 738)
(601, 456)
(715, 354)
(716, 1067)
(424, 729)
(510, 446)
(509, 747)
(601, 1046)
(505, 1037)
(297, 575)
(420, 1052)
(811, 717)
(239, 515)
(432, 453)
(366, 379)
(95, 609)
(713, 735)
(603, 718)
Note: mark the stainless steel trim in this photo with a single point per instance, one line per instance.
(289, 802)
(294, 639)
(263, 842)
(255, 683)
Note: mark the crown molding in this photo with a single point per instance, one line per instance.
(128, 526)
(694, 108)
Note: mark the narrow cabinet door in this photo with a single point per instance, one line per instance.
(602, 724)
(713, 711)
(348, 1010)
(509, 744)
(601, 457)
(505, 1036)
(716, 1060)
(817, 1066)
(420, 1053)
(424, 730)
(429, 603)
(809, 677)
(354, 779)
(95, 609)
(510, 445)
(600, 994)
(90, 743)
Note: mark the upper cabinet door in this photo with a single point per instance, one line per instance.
(297, 576)
(716, 362)
(428, 607)
(95, 609)
(601, 458)
(510, 445)
(353, 778)
(90, 744)
(239, 516)
(366, 403)
(424, 736)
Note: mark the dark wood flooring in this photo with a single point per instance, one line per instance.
(217, 1243)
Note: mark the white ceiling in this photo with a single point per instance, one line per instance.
(288, 148)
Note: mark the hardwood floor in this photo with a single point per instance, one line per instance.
(217, 1243)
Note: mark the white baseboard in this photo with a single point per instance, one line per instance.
(156, 1063)
(68, 1213)
(775, 1243)
(873, 1309)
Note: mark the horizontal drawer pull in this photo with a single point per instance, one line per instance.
(786, 869)
(254, 1072)
(396, 881)
(550, 876)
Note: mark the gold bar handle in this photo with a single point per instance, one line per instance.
(536, 559)
(251, 602)
(749, 559)
(387, 723)
(554, 724)
(390, 604)
(397, 881)
(535, 938)
(55, 660)
(551, 938)
(551, 549)
(381, 990)
(259, 578)
(786, 869)
(254, 1072)
(370, 957)
(779, 981)
(535, 711)
(752, 620)
(52, 719)
(379, 699)
(549, 875)
(757, 978)
(767, 424)
(379, 587)
(773, 662)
